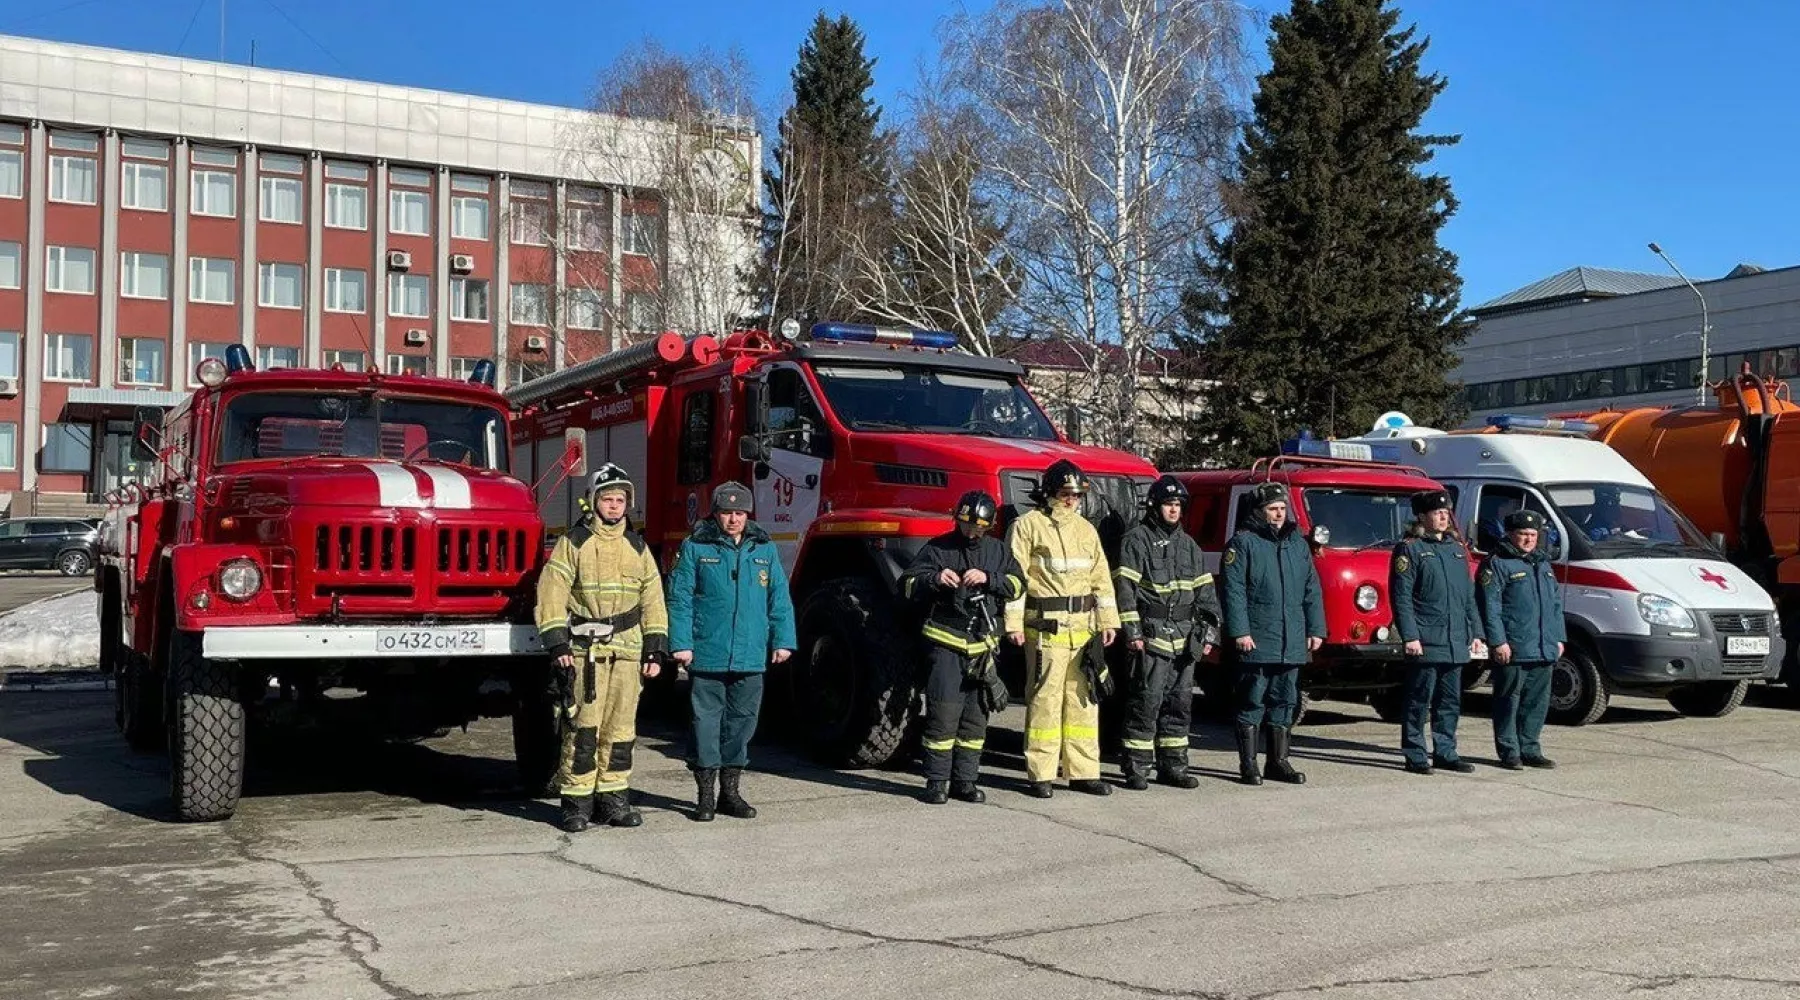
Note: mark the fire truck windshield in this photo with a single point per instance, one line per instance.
(1358, 519)
(924, 400)
(289, 425)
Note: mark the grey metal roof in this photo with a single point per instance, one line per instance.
(87, 395)
(1578, 284)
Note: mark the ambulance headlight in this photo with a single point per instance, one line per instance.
(1659, 610)
(1367, 598)
(240, 579)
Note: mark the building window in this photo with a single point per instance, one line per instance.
(643, 234)
(469, 183)
(590, 223)
(214, 192)
(346, 206)
(587, 309)
(346, 290)
(72, 179)
(409, 295)
(409, 213)
(277, 357)
(140, 361)
(530, 304)
(12, 161)
(199, 351)
(9, 354)
(408, 364)
(339, 170)
(530, 223)
(280, 199)
(68, 448)
(469, 299)
(11, 265)
(75, 142)
(144, 186)
(212, 279)
(469, 218)
(278, 285)
(203, 156)
(641, 313)
(353, 361)
(145, 149)
(70, 269)
(68, 357)
(9, 446)
(409, 177)
(143, 275)
(281, 163)
(462, 368)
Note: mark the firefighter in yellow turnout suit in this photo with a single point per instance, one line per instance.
(1068, 604)
(601, 614)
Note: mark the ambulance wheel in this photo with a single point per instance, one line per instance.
(537, 746)
(851, 693)
(1578, 694)
(206, 733)
(1709, 700)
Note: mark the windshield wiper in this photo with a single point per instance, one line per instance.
(880, 425)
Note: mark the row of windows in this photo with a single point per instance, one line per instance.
(1630, 380)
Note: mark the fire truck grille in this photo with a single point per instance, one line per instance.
(366, 548)
(474, 550)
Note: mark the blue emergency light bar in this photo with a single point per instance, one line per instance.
(483, 373)
(862, 333)
(237, 359)
(1515, 422)
(1348, 451)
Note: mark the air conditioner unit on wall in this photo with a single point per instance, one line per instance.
(415, 338)
(9, 387)
(534, 343)
(399, 260)
(462, 263)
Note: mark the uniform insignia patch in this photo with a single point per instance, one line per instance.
(1401, 563)
(1487, 576)
(762, 577)
(1230, 556)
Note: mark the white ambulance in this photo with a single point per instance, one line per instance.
(1652, 605)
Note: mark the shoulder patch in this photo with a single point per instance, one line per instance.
(1230, 556)
(579, 534)
(1401, 563)
(1487, 575)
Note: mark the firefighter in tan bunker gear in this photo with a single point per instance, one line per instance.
(1068, 606)
(601, 614)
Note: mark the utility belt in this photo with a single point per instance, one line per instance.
(1064, 605)
(601, 630)
(1166, 628)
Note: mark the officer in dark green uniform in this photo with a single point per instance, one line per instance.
(1274, 619)
(1522, 609)
(1435, 613)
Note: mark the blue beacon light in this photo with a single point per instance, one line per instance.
(862, 333)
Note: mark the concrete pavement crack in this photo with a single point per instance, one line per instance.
(1643, 982)
(1707, 751)
(1235, 887)
(1343, 984)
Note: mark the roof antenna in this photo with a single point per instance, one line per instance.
(221, 30)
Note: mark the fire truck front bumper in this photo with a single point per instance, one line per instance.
(334, 642)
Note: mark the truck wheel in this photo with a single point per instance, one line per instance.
(537, 745)
(1390, 704)
(853, 690)
(1578, 694)
(1217, 702)
(206, 733)
(1709, 700)
(139, 695)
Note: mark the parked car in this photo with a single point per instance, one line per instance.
(64, 544)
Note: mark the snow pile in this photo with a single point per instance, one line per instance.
(60, 632)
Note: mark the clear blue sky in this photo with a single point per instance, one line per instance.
(1589, 126)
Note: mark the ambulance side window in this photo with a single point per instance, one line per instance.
(1240, 513)
(694, 461)
(794, 418)
(1497, 501)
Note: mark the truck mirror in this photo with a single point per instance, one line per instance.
(753, 449)
(1321, 535)
(146, 434)
(575, 451)
(756, 400)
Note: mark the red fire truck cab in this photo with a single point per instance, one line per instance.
(302, 531)
(857, 442)
(1352, 502)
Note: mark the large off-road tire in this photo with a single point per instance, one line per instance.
(1578, 693)
(1390, 704)
(206, 733)
(537, 743)
(1709, 700)
(855, 678)
(140, 703)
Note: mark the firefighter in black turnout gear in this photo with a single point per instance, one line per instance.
(1171, 617)
(964, 578)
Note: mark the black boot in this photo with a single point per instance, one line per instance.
(731, 802)
(1278, 768)
(937, 792)
(706, 798)
(1173, 771)
(965, 791)
(1246, 746)
(1091, 786)
(576, 813)
(615, 809)
(1137, 770)
(1042, 789)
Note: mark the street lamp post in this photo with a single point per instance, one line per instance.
(1705, 322)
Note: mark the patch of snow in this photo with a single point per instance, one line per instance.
(60, 632)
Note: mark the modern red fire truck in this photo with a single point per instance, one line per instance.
(302, 531)
(856, 441)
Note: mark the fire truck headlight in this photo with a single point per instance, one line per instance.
(240, 579)
(1367, 598)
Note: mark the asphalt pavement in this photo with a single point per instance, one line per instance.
(20, 587)
(1661, 860)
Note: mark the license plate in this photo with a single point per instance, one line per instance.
(429, 640)
(1747, 645)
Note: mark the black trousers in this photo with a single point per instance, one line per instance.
(955, 718)
(1159, 709)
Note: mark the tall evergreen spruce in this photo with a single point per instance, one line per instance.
(1330, 300)
(831, 172)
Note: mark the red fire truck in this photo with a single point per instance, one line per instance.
(1352, 501)
(302, 531)
(857, 442)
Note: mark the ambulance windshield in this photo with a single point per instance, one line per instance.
(1621, 521)
(921, 400)
(1358, 519)
(289, 425)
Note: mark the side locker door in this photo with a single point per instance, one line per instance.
(697, 407)
(787, 499)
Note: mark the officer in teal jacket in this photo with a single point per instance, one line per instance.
(1274, 619)
(1435, 613)
(730, 616)
(1522, 610)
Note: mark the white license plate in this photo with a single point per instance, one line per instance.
(429, 640)
(1747, 645)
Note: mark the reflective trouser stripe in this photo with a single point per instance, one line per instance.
(1172, 741)
(970, 744)
(940, 744)
(1062, 719)
(1139, 745)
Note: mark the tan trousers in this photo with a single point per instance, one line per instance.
(1062, 719)
(596, 749)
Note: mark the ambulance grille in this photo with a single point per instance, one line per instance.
(1739, 623)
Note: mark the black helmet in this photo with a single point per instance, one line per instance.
(1268, 493)
(1168, 489)
(609, 478)
(1524, 520)
(977, 508)
(1426, 501)
(1061, 475)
